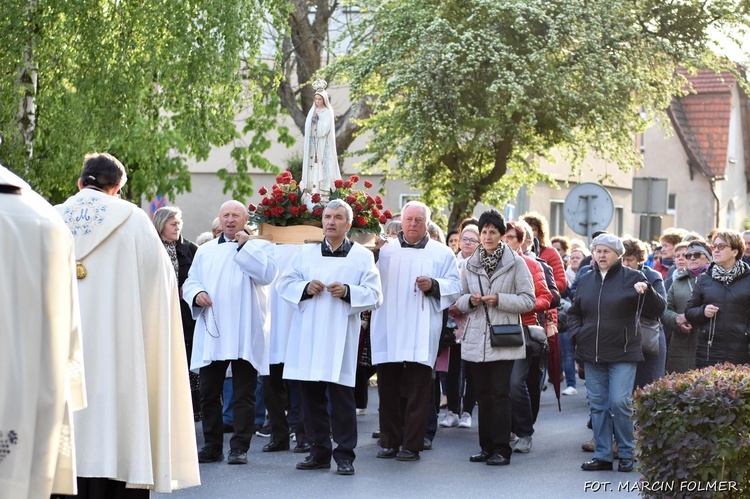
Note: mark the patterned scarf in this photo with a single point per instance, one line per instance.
(727, 276)
(491, 260)
(172, 252)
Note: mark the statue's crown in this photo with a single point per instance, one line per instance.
(319, 85)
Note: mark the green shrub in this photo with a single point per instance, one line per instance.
(693, 433)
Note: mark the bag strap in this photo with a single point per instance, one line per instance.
(486, 311)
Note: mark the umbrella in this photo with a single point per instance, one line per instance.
(554, 360)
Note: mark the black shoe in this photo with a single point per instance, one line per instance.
(497, 460)
(376, 434)
(264, 431)
(302, 448)
(407, 455)
(228, 428)
(597, 465)
(625, 465)
(237, 456)
(345, 467)
(310, 463)
(480, 458)
(427, 445)
(276, 446)
(209, 455)
(387, 453)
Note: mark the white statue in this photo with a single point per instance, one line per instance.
(320, 164)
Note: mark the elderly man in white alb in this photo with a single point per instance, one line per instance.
(227, 288)
(137, 433)
(41, 374)
(329, 285)
(420, 279)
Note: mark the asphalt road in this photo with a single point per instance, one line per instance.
(551, 469)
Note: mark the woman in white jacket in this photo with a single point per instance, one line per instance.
(495, 277)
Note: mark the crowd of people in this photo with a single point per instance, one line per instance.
(157, 333)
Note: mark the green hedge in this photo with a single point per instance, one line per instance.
(693, 433)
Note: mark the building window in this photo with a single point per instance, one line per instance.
(405, 198)
(672, 204)
(556, 218)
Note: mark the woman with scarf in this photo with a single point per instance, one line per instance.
(684, 341)
(168, 223)
(495, 281)
(720, 304)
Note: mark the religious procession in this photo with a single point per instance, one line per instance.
(171, 325)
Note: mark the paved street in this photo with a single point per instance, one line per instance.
(551, 469)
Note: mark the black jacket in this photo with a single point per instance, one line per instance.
(732, 330)
(601, 320)
(185, 253)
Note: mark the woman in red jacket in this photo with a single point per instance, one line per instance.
(520, 400)
(547, 252)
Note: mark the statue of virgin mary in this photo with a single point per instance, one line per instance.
(320, 164)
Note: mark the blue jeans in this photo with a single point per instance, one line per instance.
(609, 388)
(567, 351)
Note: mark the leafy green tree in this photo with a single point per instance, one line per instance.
(151, 82)
(471, 93)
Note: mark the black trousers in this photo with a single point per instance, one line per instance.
(407, 431)
(276, 398)
(492, 387)
(363, 375)
(104, 488)
(459, 389)
(320, 425)
(244, 381)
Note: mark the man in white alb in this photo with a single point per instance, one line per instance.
(420, 279)
(227, 288)
(329, 285)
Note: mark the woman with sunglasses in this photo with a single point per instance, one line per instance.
(684, 340)
(720, 303)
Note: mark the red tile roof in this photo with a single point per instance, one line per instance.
(701, 119)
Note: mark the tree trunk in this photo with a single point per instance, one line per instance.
(28, 80)
(459, 211)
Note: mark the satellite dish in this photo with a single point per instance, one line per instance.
(588, 208)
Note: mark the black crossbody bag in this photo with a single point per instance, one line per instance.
(502, 335)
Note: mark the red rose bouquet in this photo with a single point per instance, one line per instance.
(368, 210)
(283, 205)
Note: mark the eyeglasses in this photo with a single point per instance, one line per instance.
(469, 240)
(693, 256)
(719, 246)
